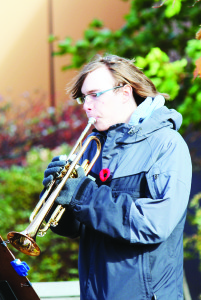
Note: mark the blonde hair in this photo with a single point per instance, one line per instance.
(124, 72)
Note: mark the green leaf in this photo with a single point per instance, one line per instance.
(64, 44)
(96, 23)
(173, 8)
(90, 34)
(52, 38)
(82, 44)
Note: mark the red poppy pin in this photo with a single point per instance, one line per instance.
(104, 174)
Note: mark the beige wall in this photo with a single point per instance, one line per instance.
(23, 47)
(24, 52)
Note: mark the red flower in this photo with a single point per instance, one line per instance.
(104, 174)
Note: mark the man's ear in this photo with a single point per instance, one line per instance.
(127, 92)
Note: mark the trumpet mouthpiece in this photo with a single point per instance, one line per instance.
(92, 120)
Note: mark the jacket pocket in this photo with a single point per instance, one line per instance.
(153, 181)
(134, 185)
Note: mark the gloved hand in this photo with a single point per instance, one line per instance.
(69, 188)
(57, 163)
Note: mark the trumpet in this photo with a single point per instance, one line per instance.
(25, 241)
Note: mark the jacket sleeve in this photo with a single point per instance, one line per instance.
(169, 183)
(143, 220)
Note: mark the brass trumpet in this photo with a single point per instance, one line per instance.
(25, 241)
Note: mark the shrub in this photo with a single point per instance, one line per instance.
(37, 125)
(20, 187)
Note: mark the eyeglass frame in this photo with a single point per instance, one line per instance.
(81, 100)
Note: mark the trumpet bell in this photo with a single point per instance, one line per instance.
(23, 243)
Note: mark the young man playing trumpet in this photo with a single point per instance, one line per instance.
(131, 217)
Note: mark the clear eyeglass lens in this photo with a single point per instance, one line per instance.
(93, 96)
(80, 100)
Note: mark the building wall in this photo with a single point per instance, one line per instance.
(24, 48)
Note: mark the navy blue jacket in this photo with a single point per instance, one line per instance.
(131, 226)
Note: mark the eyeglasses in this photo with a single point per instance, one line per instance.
(81, 100)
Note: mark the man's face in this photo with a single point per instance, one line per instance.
(107, 108)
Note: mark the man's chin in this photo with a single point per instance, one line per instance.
(100, 126)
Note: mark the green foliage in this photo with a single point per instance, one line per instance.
(164, 74)
(19, 192)
(172, 8)
(162, 41)
(191, 106)
(145, 27)
(193, 243)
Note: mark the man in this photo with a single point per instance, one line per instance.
(131, 218)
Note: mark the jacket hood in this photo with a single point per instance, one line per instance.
(160, 118)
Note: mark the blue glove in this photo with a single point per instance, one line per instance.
(56, 165)
(69, 188)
